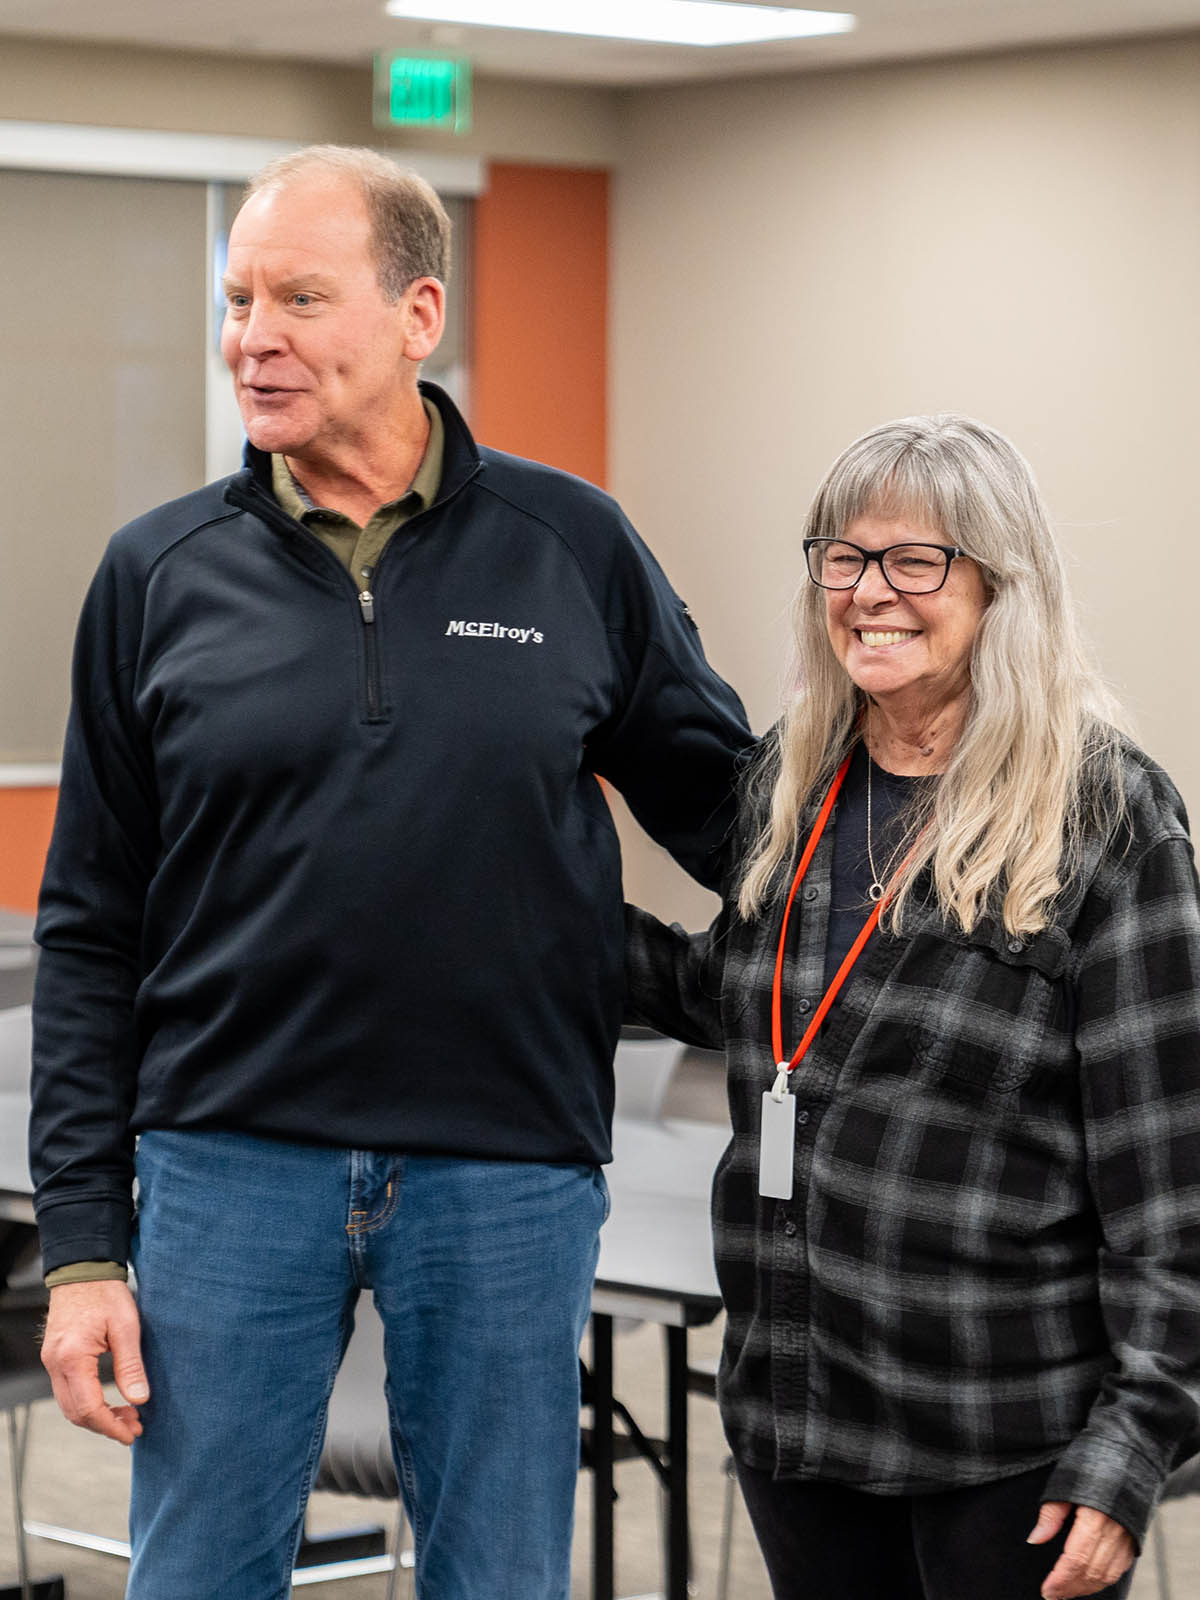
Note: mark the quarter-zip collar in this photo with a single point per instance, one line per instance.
(252, 488)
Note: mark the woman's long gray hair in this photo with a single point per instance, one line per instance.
(1037, 766)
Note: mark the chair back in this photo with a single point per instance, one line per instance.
(23, 1378)
(642, 1070)
(357, 1455)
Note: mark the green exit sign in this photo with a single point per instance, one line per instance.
(420, 92)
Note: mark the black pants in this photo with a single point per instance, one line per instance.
(824, 1542)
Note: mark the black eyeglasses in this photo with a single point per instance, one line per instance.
(907, 568)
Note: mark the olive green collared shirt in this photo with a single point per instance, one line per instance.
(359, 550)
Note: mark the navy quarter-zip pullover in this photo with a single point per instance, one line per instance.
(335, 866)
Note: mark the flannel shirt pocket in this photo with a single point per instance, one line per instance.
(995, 1002)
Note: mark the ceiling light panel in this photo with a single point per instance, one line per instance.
(694, 22)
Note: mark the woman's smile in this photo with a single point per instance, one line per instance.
(906, 651)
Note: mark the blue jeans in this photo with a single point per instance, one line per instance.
(250, 1255)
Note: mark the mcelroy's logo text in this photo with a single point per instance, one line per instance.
(495, 630)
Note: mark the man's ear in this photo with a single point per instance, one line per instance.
(425, 317)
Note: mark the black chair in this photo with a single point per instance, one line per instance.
(23, 1380)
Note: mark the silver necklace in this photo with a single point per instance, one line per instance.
(875, 892)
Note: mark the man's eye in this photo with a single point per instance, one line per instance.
(237, 302)
(302, 299)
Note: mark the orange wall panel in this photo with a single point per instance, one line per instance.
(540, 316)
(26, 818)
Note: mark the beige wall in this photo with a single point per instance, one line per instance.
(46, 81)
(796, 259)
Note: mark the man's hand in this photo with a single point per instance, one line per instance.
(1098, 1550)
(85, 1320)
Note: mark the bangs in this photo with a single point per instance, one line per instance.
(920, 470)
(903, 489)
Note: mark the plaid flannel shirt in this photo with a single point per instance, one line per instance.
(991, 1260)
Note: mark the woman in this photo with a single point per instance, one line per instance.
(958, 1225)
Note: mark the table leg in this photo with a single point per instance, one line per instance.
(677, 1464)
(602, 1457)
(25, 1588)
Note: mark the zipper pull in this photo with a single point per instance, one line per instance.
(366, 601)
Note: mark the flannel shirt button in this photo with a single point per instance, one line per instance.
(1016, 946)
(810, 893)
(803, 1005)
(802, 1117)
(789, 1228)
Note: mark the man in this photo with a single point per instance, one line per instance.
(331, 926)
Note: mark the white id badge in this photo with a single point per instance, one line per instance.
(777, 1146)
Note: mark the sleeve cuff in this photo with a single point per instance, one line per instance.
(1111, 1476)
(74, 1230)
(86, 1272)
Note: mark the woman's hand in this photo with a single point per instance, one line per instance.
(1098, 1550)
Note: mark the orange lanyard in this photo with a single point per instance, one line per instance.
(842, 973)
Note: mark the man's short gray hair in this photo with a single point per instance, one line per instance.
(410, 230)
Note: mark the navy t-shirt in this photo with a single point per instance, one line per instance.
(852, 875)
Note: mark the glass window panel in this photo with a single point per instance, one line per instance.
(102, 400)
